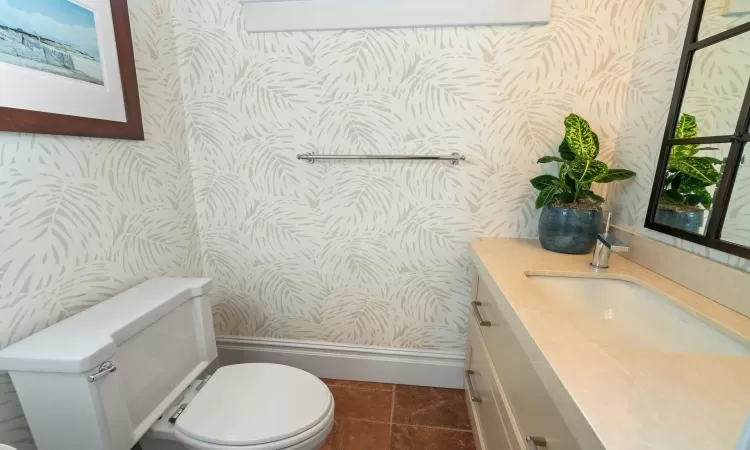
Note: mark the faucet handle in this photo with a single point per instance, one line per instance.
(613, 244)
(606, 245)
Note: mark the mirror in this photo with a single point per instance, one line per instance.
(716, 87)
(737, 221)
(702, 186)
(722, 15)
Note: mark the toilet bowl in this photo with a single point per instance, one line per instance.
(248, 407)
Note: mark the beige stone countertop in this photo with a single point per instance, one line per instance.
(632, 398)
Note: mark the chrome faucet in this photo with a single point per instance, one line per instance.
(605, 245)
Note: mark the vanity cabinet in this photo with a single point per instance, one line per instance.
(509, 404)
(492, 426)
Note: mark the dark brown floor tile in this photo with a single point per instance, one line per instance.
(359, 384)
(357, 435)
(362, 404)
(405, 437)
(431, 407)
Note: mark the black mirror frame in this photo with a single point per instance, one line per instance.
(738, 140)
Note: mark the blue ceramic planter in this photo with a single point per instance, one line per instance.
(691, 221)
(566, 230)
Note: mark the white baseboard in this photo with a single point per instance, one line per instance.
(349, 362)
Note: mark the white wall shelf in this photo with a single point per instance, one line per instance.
(298, 15)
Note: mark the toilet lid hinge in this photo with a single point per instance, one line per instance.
(203, 383)
(177, 413)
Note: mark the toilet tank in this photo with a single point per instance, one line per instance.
(98, 380)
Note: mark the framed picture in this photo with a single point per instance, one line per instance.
(67, 67)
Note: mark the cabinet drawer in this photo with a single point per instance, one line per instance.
(534, 410)
(485, 409)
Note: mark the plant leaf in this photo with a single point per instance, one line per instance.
(584, 171)
(581, 140)
(549, 159)
(689, 184)
(567, 196)
(672, 197)
(594, 196)
(684, 150)
(565, 151)
(567, 185)
(567, 180)
(693, 199)
(596, 142)
(544, 181)
(706, 199)
(700, 197)
(546, 196)
(677, 181)
(687, 127)
(615, 175)
(696, 167)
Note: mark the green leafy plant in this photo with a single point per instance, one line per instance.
(579, 170)
(689, 176)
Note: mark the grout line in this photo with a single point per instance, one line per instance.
(363, 420)
(393, 412)
(349, 419)
(432, 427)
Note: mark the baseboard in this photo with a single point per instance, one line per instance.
(349, 362)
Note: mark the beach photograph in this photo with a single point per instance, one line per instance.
(53, 36)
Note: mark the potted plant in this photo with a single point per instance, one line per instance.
(685, 198)
(571, 211)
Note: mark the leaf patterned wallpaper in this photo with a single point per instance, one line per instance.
(82, 219)
(365, 253)
(639, 142)
(376, 253)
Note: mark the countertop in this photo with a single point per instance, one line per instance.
(630, 398)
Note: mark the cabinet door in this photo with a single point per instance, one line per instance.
(531, 405)
(486, 417)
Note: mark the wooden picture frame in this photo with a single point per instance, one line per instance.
(32, 121)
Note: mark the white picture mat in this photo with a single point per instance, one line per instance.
(293, 15)
(29, 89)
(738, 7)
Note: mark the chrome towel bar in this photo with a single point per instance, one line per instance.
(454, 158)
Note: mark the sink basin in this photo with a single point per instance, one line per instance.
(636, 317)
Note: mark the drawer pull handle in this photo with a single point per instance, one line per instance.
(472, 394)
(478, 315)
(534, 443)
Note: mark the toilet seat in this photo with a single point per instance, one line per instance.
(257, 407)
(317, 435)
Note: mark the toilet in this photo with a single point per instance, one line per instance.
(134, 369)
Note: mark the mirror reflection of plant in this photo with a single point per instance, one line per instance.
(689, 176)
(579, 170)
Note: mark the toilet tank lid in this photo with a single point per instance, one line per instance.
(80, 343)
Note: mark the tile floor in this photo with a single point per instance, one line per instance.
(376, 416)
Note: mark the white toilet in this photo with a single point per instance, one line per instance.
(128, 370)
